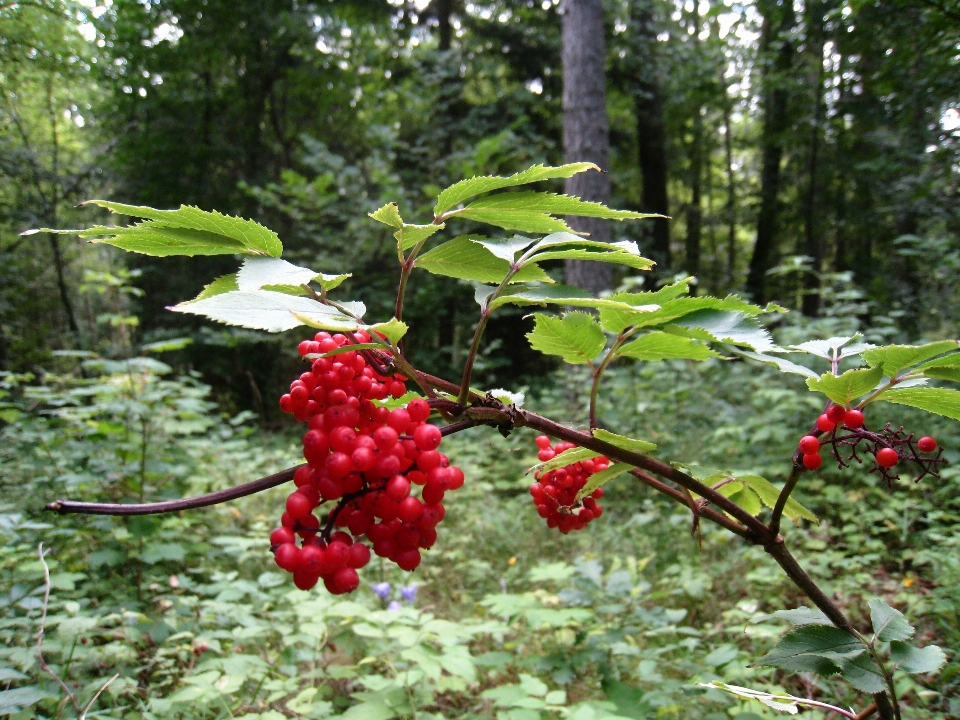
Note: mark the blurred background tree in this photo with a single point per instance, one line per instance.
(794, 148)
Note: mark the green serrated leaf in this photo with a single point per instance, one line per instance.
(936, 400)
(254, 237)
(888, 623)
(798, 616)
(601, 478)
(895, 358)
(520, 220)
(257, 273)
(224, 283)
(622, 442)
(457, 193)
(744, 497)
(912, 659)
(505, 248)
(670, 311)
(621, 253)
(951, 374)
(846, 388)
(723, 326)
(409, 235)
(158, 240)
(769, 494)
(782, 365)
(389, 214)
(567, 457)
(265, 310)
(549, 204)
(551, 295)
(330, 282)
(393, 329)
(664, 346)
(466, 260)
(945, 361)
(840, 346)
(826, 651)
(576, 337)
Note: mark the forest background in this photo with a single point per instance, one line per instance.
(807, 153)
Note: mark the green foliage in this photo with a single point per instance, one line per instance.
(575, 337)
(935, 400)
(846, 388)
(467, 259)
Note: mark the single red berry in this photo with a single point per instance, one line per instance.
(825, 424)
(546, 454)
(307, 527)
(282, 535)
(812, 461)
(427, 437)
(299, 505)
(398, 488)
(339, 465)
(359, 556)
(343, 537)
(927, 444)
(428, 536)
(385, 437)
(399, 420)
(288, 557)
(408, 560)
(853, 419)
(346, 580)
(409, 510)
(419, 410)
(342, 439)
(305, 579)
(428, 460)
(836, 413)
(304, 347)
(887, 457)
(397, 389)
(809, 444)
(543, 442)
(311, 560)
(455, 478)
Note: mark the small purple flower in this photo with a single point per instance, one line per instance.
(394, 605)
(409, 593)
(381, 589)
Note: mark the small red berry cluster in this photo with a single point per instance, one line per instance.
(888, 446)
(555, 492)
(366, 459)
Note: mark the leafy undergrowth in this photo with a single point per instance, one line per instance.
(505, 619)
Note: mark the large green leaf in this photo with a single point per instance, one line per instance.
(267, 310)
(664, 346)
(576, 337)
(547, 295)
(17, 699)
(259, 272)
(157, 240)
(251, 235)
(467, 260)
(888, 623)
(946, 361)
(625, 252)
(951, 374)
(616, 320)
(826, 650)
(895, 358)
(798, 616)
(601, 478)
(723, 326)
(769, 494)
(912, 659)
(534, 212)
(782, 365)
(623, 442)
(465, 189)
(936, 400)
(844, 389)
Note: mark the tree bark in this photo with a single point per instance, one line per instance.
(777, 23)
(813, 239)
(694, 210)
(651, 128)
(586, 134)
(731, 190)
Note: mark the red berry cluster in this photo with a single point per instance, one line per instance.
(887, 446)
(555, 491)
(365, 458)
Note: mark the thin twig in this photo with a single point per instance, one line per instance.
(214, 498)
(783, 497)
(43, 623)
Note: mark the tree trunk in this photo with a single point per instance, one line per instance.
(586, 135)
(813, 240)
(777, 23)
(694, 211)
(444, 9)
(731, 191)
(651, 128)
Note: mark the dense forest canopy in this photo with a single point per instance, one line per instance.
(805, 153)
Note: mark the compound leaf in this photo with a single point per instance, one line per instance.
(576, 337)
(844, 389)
(663, 346)
(457, 193)
(936, 400)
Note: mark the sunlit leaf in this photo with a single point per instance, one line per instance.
(575, 337)
(846, 388)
